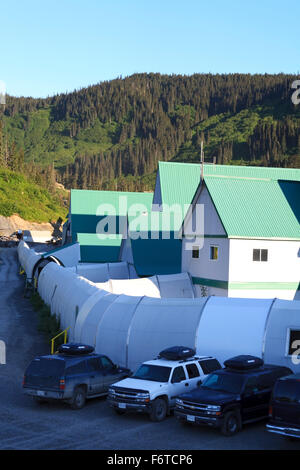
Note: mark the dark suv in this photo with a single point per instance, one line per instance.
(72, 376)
(239, 393)
(284, 410)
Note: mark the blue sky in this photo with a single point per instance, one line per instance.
(50, 47)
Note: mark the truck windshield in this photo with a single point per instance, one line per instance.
(229, 383)
(154, 373)
(287, 391)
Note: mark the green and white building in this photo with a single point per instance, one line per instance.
(249, 241)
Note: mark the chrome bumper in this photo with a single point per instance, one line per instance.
(284, 430)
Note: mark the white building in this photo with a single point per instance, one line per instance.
(249, 244)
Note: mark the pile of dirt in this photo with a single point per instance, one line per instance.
(8, 225)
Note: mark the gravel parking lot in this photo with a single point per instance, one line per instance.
(27, 425)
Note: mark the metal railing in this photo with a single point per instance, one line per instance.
(65, 333)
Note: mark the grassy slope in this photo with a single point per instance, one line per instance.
(28, 200)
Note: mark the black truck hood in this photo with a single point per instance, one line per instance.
(209, 397)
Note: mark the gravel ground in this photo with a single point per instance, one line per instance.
(27, 425)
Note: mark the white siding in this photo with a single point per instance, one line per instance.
(282, 267)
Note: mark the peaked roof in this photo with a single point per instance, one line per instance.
(252, 202)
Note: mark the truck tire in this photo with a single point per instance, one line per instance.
(79, 398)
(159, 410)
(231, 424)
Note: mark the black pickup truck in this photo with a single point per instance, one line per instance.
(240, 393)
(284, 409)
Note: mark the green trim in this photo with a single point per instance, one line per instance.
(210, 282)
(246, 285)
(265, 285)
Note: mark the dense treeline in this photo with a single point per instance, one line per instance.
(115, 132)
(12, 158)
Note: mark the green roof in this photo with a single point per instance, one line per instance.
(86, 202)
(254, 202)
(255, 208)
(88, 208)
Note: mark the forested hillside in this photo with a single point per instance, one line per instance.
(112, 135)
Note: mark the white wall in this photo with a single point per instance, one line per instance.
(204, 267)
(248, 278)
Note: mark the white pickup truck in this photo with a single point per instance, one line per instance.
(155, 385)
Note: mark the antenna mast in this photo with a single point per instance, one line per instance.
(202, 161)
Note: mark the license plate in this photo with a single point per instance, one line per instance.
(190, 418)
(40, 393)
(122, 405)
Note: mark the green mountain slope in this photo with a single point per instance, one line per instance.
(30, 201)
(113, 134)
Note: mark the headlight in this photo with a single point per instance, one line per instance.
(111, 391)
(179, 402)
(213, 408)
(143, 396)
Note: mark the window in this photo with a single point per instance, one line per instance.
(260, 255)
(195, 252)
(252, 385)
(209, 365)
(78, 368)
(178, 375)
(192, 371)
(294, 342)
(106, 363)
(94, 364)
(214, 252)
(153, 373)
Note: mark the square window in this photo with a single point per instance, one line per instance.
(260, 255)
(195, 252)
(214, 251)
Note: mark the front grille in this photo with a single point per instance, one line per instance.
(127, 395)
(190, 406)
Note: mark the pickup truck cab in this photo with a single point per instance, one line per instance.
(72, 376)
(230, 397)
(156, 384)
(284, 412)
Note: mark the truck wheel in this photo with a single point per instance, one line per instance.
(79, 398)
(159, 410)
(231, 424)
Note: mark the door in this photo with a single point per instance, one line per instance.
(193, 375)
(96, 380)
(178, 384)
(110, 372)
(255, 400)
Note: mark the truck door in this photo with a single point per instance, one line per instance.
(254, 402)
(96, 379)
(178, 384)
(109, 372)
